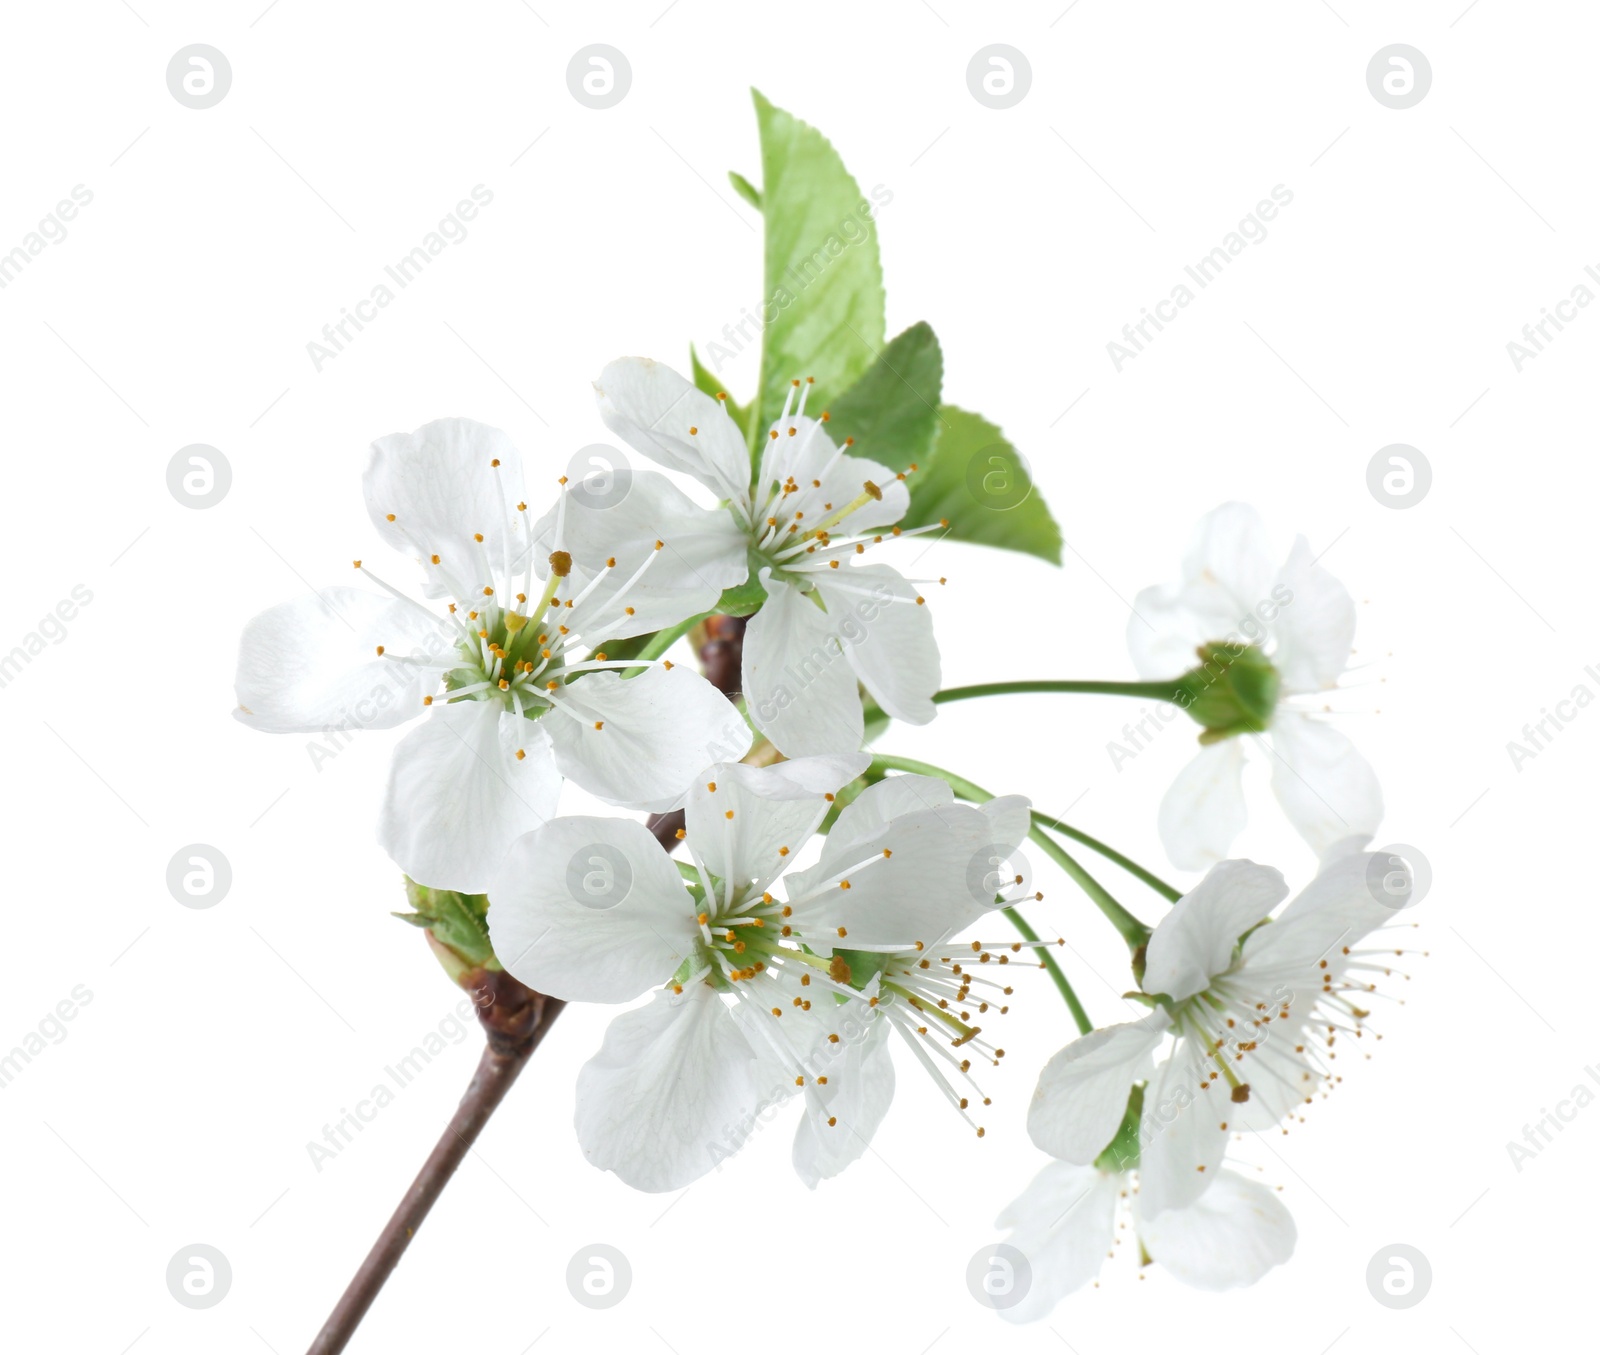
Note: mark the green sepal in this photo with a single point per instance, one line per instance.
(1122, 1153)
(744, 599)
(456, 922)
(1233, 691)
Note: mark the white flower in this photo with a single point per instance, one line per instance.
(757, 996)
(1263, 1018)
(507, 719)
(1303, 620)
(1068, 1222)
(797, 530)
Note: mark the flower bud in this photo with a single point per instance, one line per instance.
(458, 933)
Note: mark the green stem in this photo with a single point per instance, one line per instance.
(1134, 932)
(1111, 854)
(663, 640)
(1079, 1016)
(1156, 691)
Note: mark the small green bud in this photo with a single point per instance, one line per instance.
(457, 926)
(1233, 691)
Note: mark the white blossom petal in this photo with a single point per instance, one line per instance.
(924, 876)
(1195, 940)
(738, 828)
(1064, 1225)
(458, 795)
(859, 1090)
(1204, 811)
(1230, 549)
(1315, 628)
(671, 1092)
(311, 665)
(800, 691)
(656, 732)
(442, 488)
(872, 811)
(1343, 904)
(590, 910)
(886, 633)
(1082, 1093)
(1181, 1137)
(1225, 593)
(1327, 789)
(1236, 1232)
(1010, 819)
(703, 552)
(651, 408)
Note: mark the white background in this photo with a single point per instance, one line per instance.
(219, 242)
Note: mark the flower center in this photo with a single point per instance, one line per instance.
(802, 521)
(511, 649)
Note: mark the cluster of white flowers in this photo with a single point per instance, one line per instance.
(771, 980)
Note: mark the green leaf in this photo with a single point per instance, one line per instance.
(974, 478)
(893, 411)
(823, 298)
(745, 189)
(711, 384)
